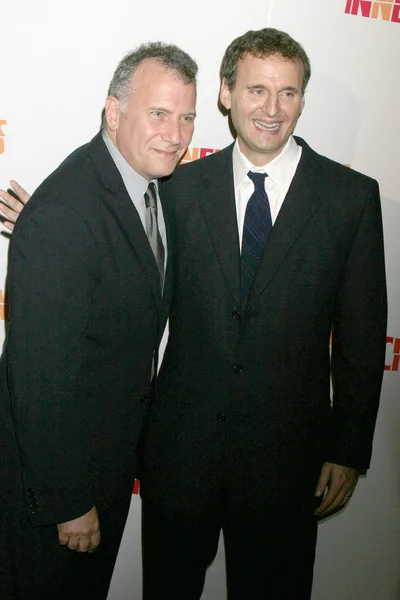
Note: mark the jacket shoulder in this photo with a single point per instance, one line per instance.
(333, 170)
(197, 168)
(71, 184)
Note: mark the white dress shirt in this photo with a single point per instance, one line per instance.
(280, 173)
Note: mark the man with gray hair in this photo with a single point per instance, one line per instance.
(90, 283)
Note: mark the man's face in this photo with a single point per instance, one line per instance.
(156, 127)
(265, 104)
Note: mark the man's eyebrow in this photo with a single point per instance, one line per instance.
(257, 86)
(291, 88)
(168, 111)
(160, 108)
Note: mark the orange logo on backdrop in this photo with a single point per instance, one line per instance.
(195, 153)
(392, 354)
(388, 10)
(3, 306)
(2, 134)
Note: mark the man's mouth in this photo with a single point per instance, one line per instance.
(267, 126)
(168, 153)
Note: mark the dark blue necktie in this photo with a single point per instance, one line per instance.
(256, 229)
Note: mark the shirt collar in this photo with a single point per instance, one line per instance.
(279, 169)
(132, 179)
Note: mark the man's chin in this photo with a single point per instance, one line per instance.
(166, 171)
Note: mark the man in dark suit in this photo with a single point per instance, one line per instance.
(275, 248)
(89, 296)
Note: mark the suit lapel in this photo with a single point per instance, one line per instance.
(126, 213)
(299, 205)
(216, 196)
(131, 224)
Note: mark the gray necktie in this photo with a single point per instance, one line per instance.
(152, 230)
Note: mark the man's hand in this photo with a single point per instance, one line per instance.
(10, 205)
(81, 534)
(337, 483)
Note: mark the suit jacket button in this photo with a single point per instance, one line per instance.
(32, 500)
(236, 315)
(237, 369)
(144, 399)
(221, 417)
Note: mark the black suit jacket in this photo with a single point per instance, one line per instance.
(244, 396)
(86, 315)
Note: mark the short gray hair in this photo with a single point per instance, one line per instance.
(170, 57)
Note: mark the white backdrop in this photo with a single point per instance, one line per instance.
(55, 65)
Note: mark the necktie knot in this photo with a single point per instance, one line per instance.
(258, 179)
(150, 196)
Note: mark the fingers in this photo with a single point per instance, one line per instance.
(10, 214)
(323, 479)
(63, 538)
(334, 499)
(8, 225)
(94, 542)
(341, 485)
(17, 196)
(20, 191)
(10, 205)
(82, 543)
(81, 534)
(16, 203)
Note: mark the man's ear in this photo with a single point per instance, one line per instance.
(225, 95)
(112, 113)
(303, 101)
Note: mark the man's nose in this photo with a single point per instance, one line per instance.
(271, 105)
(172, 133)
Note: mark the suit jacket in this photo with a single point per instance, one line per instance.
(86, 315)
(244, 395)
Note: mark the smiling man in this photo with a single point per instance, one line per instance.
(90, 283)
(265, 100)
(275, 246)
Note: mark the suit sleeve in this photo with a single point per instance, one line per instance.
(359, 341)
(51, 280)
